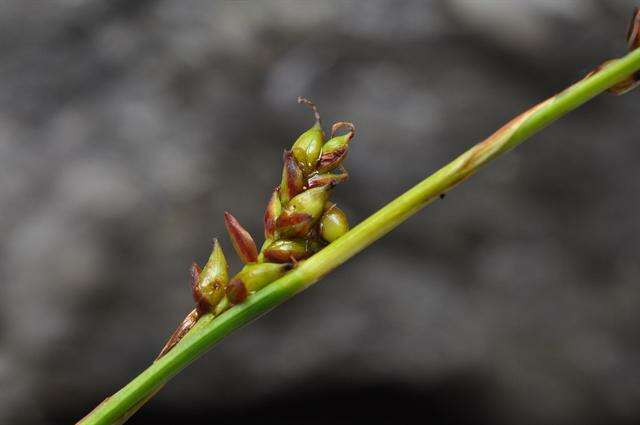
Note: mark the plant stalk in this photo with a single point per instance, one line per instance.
(208, 331)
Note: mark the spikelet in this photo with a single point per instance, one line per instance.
(298, 222)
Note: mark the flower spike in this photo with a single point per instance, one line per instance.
(298, 222)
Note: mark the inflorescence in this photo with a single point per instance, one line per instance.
(298, 222)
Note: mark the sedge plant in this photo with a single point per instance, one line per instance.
(307, 235)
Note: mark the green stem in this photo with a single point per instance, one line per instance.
(209, 331)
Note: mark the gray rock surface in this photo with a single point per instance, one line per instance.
(126, 128)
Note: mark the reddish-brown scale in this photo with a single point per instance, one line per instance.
(294, 224)
(292, 174)
(275, 257)
(182, 330)
(331, 159)
(241, 239)
(194, 273)
(270, 216)
(326, 179)
(236, 291)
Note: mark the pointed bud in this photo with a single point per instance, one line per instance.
(333, 224)
(256, 276)
(292, 181)
(236, 291)
(306, 150)
(633, 34)
(271, 214)
(241, 239)
(335, 150)
(212, 279)
(302, 212)
(285, 250)
(326, 179)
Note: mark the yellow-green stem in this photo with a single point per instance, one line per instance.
(209, 330)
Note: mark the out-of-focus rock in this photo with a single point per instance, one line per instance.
(126, 128)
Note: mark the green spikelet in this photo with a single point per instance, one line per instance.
(298, 222)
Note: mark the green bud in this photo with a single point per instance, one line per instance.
(333, 224)
(213, 278)
(257, 276)
(306, 150)
(285, 250)
(336, 148)
(302, 212)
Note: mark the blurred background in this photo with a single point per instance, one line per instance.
(127, 128)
